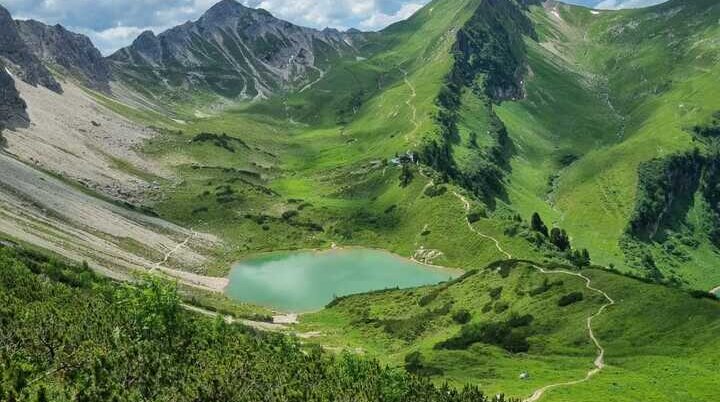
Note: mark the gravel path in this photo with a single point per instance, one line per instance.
(600, 359)
(472, 229)
(599, 362)
(409, 103)
(259, 325)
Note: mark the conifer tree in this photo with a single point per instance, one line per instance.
(537, 224)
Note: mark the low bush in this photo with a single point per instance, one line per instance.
(461, 316)
(500, 334)
(570, 298)
(500, 307)
(415, 364)
(435, 191)
(516, 321)
(287, 215)
(476, 214)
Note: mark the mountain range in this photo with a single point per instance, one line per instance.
(234, 51)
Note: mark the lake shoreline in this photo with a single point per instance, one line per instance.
(303, 281)
(333, 247)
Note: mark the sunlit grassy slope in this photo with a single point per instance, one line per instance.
(654, 351)
(612, 89)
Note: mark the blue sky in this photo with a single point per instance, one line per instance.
(112, 24)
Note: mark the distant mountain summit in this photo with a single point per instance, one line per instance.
(71, 52)
(232, 51)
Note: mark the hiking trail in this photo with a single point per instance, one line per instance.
(599, 362)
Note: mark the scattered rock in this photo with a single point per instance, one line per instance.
(426, 256)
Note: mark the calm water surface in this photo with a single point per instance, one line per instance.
(305, 281)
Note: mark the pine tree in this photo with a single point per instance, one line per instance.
(537, 224)
(581, 258)
(585, 257)
(406, 176)
(560, 239)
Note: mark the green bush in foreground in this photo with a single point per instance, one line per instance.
(67, 335)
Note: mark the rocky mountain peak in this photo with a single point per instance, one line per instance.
(230, 13)
(73, 53)
(227, 8)
(148, 45)
(18, 57)
(233, 51)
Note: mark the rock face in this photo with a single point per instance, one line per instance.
(19, 59)
(72, 52)
(12, 107)
(233, 51)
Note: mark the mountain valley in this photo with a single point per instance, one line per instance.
(564, 159)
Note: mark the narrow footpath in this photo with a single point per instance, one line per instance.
(177, 248)
(409, 102)
(599, 362)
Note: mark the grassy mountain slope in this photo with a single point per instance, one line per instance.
(653, 350)
(606, 92)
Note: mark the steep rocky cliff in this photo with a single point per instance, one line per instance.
(19, 59)
(232, 51)
(70, 52)
(12, 107)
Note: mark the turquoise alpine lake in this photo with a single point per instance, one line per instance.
(306, 281)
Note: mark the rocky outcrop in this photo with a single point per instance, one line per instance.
(73, 53)
(233, 51)
(12, 107)
(19, 59)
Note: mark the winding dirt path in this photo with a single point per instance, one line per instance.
(599, 362)
(259, 325)
(310, 85)
(207, 283)
(472, 229)
(177, 248)
(600, 359)
(411, 105)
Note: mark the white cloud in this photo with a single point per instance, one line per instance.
(111, 39)
(379, 20)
